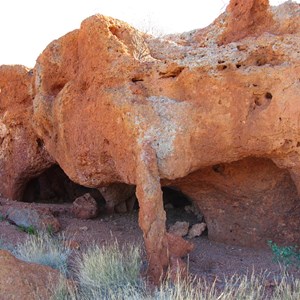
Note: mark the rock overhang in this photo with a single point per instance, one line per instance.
(112, 104)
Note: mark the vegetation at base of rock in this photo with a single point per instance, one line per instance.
(288, 255)
(113, 272)
(108, 268)
(45, 249)
(247, 287)
(30, 229)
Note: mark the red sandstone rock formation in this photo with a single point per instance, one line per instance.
(22, 280)
(22, 154)
(214, 112)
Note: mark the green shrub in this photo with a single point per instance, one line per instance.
(288, 256)
(45, 249)
(30, 229)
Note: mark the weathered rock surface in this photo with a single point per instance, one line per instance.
(196, 230)
(36, 218)
(179, 228)
(246, 202)
(85, 207)
(214, 112)
(22, 280)
(22, 153)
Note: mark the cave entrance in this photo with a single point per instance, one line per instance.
(180, 208)
(54, 186)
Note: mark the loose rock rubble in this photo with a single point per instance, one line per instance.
(196, 230)
(179, 228)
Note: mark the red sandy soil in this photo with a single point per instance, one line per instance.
(209, 260)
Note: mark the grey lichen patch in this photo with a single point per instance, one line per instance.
(162, 134)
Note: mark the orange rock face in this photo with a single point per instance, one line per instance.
(214, 112)
(22, 280)
(22, 155)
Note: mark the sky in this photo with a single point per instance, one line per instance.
(28, 26)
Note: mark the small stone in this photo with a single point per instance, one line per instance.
(180, 228)
(85, 207)
(242, 47)
(196, 230)
(83, 228)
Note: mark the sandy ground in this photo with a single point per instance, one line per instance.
(209, 260)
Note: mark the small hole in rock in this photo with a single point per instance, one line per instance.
(238, 66)
(268, 95)
(40, 143)
(218, 168)
(137, 79)
(221, 67)
(298, 144)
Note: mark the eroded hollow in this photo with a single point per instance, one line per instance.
(246, 202)
(179, 207)
(54, 186)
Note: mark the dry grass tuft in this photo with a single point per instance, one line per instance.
(45, 249)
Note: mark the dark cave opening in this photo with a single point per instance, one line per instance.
(54, 186)
(180, 208)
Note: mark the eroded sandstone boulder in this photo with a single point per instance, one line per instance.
(22, 153)
(179, 228)
(22, 280)
(85, 207)
(30, 217)
(214, 112)
(196, 230)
